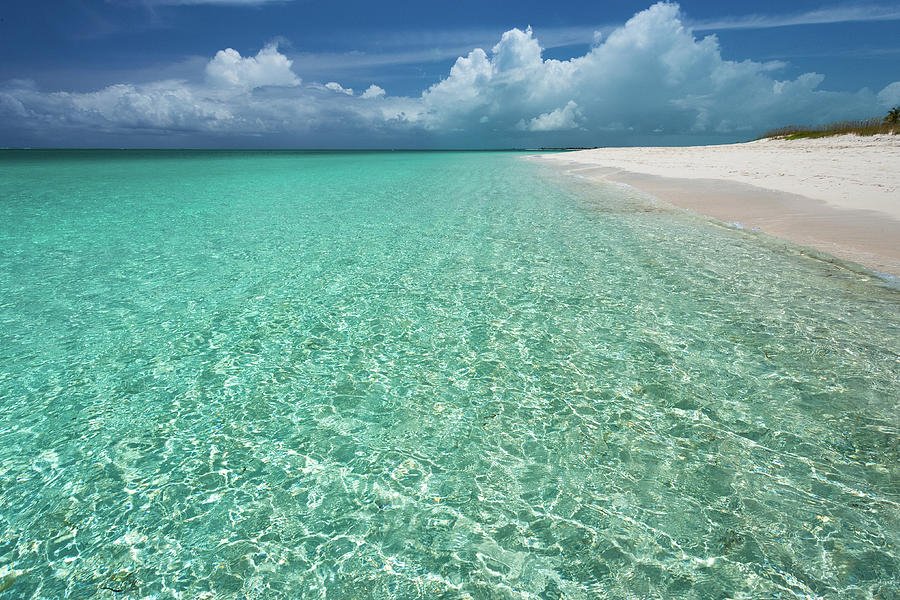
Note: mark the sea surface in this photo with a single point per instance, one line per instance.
(286, 375)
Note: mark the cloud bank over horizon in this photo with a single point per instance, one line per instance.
(652, 78)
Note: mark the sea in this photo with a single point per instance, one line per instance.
(428, 375)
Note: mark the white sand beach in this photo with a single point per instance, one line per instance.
(837, 194)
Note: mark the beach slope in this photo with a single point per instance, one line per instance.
(840, 195)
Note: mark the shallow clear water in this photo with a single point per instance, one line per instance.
(427, 375)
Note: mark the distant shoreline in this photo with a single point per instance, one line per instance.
(839, 195)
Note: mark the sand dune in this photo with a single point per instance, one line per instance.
(839, 194)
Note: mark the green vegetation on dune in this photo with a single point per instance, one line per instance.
(889, 124)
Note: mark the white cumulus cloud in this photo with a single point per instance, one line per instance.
(373, 91)
(653, 74)
(336, 87)
(268, 67)
(561, 119)
(890, 95)
(650, 77)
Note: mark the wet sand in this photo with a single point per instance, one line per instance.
(838, 195)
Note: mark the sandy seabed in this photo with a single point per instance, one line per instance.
(840, 195)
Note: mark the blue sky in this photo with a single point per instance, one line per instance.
(282, 73)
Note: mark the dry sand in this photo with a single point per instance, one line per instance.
(840, 195)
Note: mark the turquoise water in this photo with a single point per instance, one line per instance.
(427, 375)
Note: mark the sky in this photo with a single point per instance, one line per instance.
(418, 74)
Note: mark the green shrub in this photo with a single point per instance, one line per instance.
(893, 115)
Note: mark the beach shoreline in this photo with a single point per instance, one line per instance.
(838, 195)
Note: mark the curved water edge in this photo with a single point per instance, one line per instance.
(863, 238)
(264, 375)
(767, 239)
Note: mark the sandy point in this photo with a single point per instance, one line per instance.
(839, 195)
